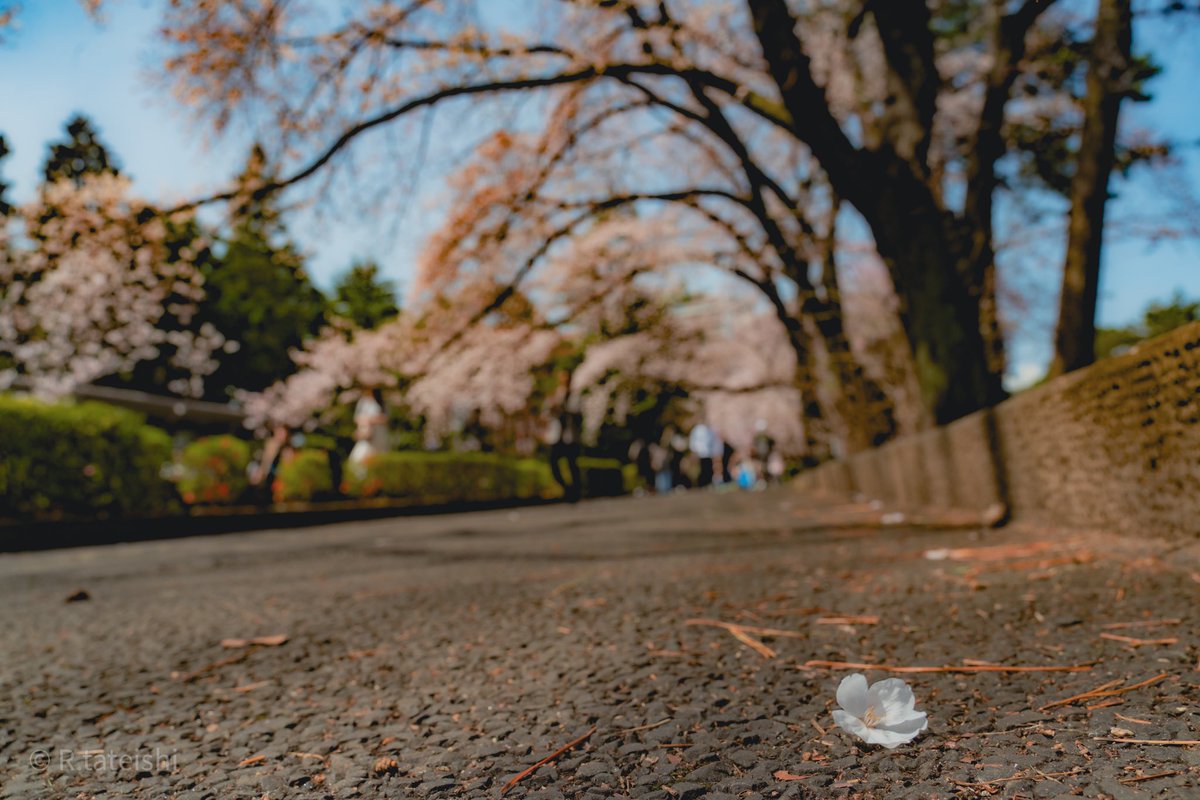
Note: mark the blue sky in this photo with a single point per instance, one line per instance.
(59, 62)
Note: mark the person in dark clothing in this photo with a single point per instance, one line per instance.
(342, 445)
(639, 453)
(764, 445)
(263, 476)
(566, 429)
(660, 463)
(726, 462)
(704, 443)
(677, 448)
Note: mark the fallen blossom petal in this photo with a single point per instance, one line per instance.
(882, 714)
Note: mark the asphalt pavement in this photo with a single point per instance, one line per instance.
(663, 647)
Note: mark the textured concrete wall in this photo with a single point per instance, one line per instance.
(1116, 445)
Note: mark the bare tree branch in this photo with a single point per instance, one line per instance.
(582, 75)
(1008, 46)
(811, 119)
(905, 28)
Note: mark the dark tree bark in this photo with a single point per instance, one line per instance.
(1075, 336)
(927, 253)
(941, 261)
(1008, 46)
(859, 406)
(866, 413)
(923, 244)
(817, 425)
(905, 27)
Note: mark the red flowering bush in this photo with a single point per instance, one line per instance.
(303, 476)
(212, 470)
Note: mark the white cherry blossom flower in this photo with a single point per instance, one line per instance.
(883, 714)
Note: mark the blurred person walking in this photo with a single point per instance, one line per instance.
(747, 475)
(727, 453)
(639, 454)
(706, 446)
(262, 473)
(370, 429)
(563, 435)
(676, 446)
(660, 462)
(775, 468)
(763, 446)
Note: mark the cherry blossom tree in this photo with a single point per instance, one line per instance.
(755, 116)
(608, 290)
(737, 71)
(619, 289)
(542, 203)
(85, 281)
(604, 296)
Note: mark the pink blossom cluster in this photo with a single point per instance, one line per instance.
(731, 358)
(85, 282)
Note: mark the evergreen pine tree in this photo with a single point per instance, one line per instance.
(5, 207)
(257, 292)
(81, 154)
(364, 297)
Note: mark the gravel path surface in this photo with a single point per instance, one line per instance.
(442, 656)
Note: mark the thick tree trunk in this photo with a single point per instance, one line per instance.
(857, 413)
(926, 251)
(928, 257)
(1075, 336)
(1008, 48)
(866, 414)
(817, 428)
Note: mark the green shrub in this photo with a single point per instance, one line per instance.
(444, 477)
(534, 479)
(212, 469)
(602, 477)
(81, 460)
(631, 479)
(302, 477)
(450, 477)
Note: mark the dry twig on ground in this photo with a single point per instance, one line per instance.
(1035, 775)
(948, 668)
(645, 727)
(1148, 623)
(743, 634)
(1161, 742)
(860, 619)
(259, 641)
(553, 756)
(1105, 690)
(1133, 642)
(1155, 776)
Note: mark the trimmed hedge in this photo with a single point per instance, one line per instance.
(450, 477)
(602, 477)
(88, 460)
(302, 477)
(446, 477)
(212, 470)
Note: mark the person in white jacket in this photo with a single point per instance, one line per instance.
(370, 428)
(705, 443)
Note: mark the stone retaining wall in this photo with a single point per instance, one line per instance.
(1116, 445)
